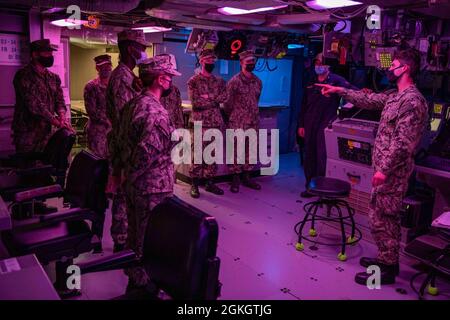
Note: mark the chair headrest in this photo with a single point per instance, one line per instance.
(179, 241)
(86, 181)
(58, 148)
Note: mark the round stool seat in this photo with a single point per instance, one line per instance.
(329, 187)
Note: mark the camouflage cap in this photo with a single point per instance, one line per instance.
(158, 64)
(102, 59)
(132, 35)
(42, 45)
(247, 55)
(207, 53)
(318, 57)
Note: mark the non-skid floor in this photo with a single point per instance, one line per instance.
(257, 248)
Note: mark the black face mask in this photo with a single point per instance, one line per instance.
(250, 67)
(209, 67)
(390, 75)
(166, 92)
(46, 62)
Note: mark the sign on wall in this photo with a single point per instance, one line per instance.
(14, 50)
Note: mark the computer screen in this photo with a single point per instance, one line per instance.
(276, 83)
(276, 77)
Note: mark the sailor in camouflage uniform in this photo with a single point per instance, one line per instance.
(172, 103)
(403, 120)
(123, 86)
(244, 91)
(145, 157)
(95, 104)
(40, 106)
(207, 92)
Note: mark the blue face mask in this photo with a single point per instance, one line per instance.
(142, 58)
(320, 70)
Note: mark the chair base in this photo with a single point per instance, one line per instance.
(313, 217)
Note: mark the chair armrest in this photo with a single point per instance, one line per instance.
(26, 156)
(74, 214)
(47, 192)
(42, 169)
(120, 260)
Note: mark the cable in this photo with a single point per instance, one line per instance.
(261, 67)
(268, 67)
(343, 28)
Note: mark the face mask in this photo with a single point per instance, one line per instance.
(320, 70)
(392, 78)
(250, 67)
(209, 67)
(142, 58)
(46, 62)
(104, 74)
(166, 92)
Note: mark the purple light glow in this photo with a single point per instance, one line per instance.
(229, 11)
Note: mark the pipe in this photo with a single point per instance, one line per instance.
(110, 6)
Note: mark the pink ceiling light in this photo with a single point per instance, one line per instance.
(69, 22)
(153, 29)
(230, 11)
(329, 4)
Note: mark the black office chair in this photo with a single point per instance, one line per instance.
(64, 235)
(179, 252)
(433, 251)
(23, 171)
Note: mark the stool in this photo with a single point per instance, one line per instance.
(331, 193)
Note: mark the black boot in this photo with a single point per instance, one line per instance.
(195, 193)
(246, 181)
(149, 291)
(235, 184)
(366, 262)
(211, 187)
(387, 275)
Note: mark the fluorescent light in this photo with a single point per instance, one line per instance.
(153, 29)
(329, 4)
(230, 11)
(295, 46)
(69, 22)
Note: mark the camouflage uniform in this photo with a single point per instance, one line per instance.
(401, 126)
(98, 125)
(242, 110)
(208, 112)
(39, 98)
(172, 103)
(145, 144)
(120, 90)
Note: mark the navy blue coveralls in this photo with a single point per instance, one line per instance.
(316, 112)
